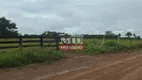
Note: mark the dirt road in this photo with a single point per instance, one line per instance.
(118, 66)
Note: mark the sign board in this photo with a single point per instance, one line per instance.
(71, 47)
(72, 43)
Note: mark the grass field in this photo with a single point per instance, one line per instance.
(19, 57)
(94, 46)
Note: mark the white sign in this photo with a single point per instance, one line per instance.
(72, 40)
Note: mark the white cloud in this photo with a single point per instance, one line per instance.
(74, 16)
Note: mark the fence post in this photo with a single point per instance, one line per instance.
(20, 42)
(131, 41)
(71, 40)
(41, 41)
(76, 40)
(57, 44)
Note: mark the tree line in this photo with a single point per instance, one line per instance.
(9, 29)
(111, 35)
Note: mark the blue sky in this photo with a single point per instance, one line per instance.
(74, 16)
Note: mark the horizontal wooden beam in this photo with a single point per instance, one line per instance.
(26, 37)
(9, 42)
(7, 47)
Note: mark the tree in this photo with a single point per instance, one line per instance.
(44, 34)
(134, 35)
(7, 28)
(138, 37)
(129, 34)
(109, 33)
(119, 35)
(26, 35)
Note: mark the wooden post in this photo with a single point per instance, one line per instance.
(102, 42)
(57, 44)
(71, 40)
(20, 42)
(118, 39)
(131, 41)
(41, 41)
(76, 40)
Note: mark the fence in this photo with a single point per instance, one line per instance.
(51, 42)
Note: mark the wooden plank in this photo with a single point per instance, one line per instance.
(49, 45)
(48, 41)
(7, 47)
(30, 45)
(25, 37)
(8, 42)
(31, 37)
(8, 37)
(30, 41)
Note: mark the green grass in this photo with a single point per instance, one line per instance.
(20, 57)
(93, 46)
(27, 56)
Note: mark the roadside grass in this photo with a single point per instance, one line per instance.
(93, 46)
(27, 56)
(21, 57)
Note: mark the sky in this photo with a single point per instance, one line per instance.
(74, 16)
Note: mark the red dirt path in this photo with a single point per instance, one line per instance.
(117, 66)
